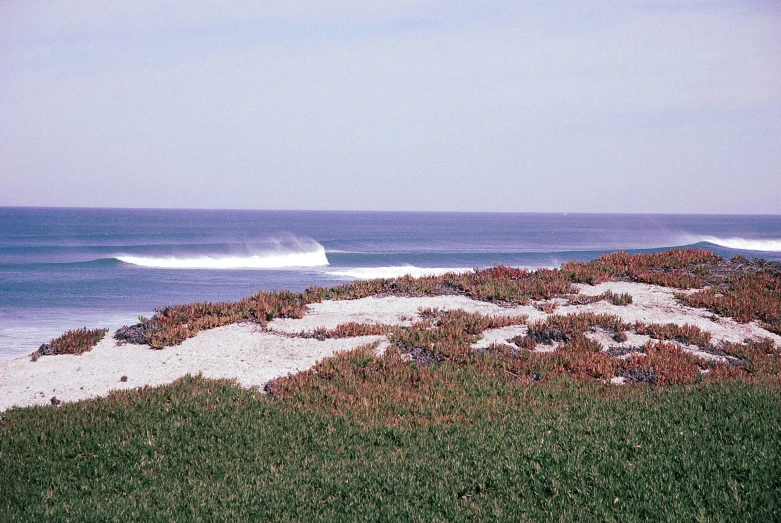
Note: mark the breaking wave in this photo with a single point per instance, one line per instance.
(745, 244)
(369, 273)
(289, 252)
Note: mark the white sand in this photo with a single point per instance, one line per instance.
(253, 357)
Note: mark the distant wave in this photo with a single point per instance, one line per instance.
(745, 244)
(368, 273)
(292, 252)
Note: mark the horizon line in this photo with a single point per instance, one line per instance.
(565, 213)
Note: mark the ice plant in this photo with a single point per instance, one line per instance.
(76, 341)
(680, 268)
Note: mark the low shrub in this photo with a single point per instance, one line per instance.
(667, 363)
(173, 324)
(448, 336)
(760, 356)
(137, 334)
(346, 330)
(623, 298)
(497, 284)
(564, 328)
(581, 358)
(745, 297)
(76, 341)
(680, 268)
(689, 334)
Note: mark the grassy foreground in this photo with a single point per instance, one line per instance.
(565, 450)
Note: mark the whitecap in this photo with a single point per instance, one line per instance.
(315, 256)
(745, 244)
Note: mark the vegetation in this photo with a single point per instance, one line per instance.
(448, 336)
(565, 328)
(77, 341)
(498, 284)
(655, 362)
(173, 324)
(689, 334)
(623, 298)
(745, 297)
(485, 447)
(756, 357)
(346, 330)
(680, 268)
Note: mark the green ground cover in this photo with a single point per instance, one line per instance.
(563, 450)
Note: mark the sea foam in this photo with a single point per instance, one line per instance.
(313, 256)
(368, 273)
(745, 244)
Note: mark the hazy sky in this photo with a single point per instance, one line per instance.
(597, 106)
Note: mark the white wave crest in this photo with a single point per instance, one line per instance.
(369, 273)
(745, 244)
(267, 260)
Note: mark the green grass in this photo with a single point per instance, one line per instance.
(565, 450)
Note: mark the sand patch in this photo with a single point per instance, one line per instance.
(655, 304)
(389, 310)
(240, 352)
(500, 336)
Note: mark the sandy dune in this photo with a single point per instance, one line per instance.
(252, 356)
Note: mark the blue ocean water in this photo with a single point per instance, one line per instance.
(69, 268)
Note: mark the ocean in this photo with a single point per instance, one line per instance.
(66, 268)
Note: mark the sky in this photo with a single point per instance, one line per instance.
(657, 106)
